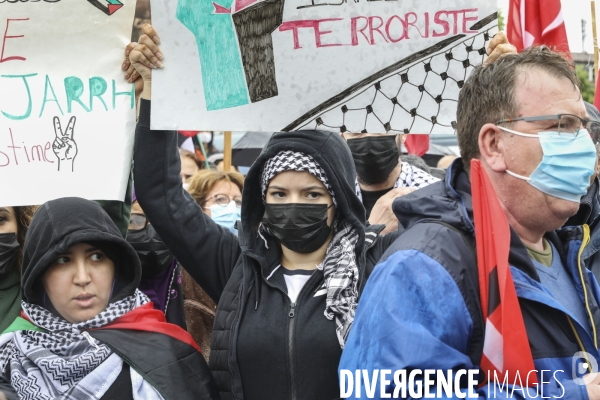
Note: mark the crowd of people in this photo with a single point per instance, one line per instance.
(333, 253)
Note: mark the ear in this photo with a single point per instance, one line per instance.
(491, 148)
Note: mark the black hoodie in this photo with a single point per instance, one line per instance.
(62, 223)
(261, 348)
(164, 361)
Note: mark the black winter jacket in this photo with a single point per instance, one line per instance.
(263, 346)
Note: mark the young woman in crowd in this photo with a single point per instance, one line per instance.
(87, 332)
(287, 286)
(14, 222)
(219, 194)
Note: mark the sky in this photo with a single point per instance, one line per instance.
(573, 14)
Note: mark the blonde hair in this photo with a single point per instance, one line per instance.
(203, 181)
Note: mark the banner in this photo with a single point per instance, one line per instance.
(345, 65)
(67, 115)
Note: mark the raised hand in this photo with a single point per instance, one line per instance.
(498, 47)
(145, 55)
(64, 145)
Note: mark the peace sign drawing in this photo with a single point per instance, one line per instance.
(64, 145)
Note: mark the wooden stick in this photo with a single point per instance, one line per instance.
(227, 151)
(595, 36)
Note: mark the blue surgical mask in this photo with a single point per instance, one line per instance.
(226, 216)
(566, 167)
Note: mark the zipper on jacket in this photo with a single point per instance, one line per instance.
(584, 242)
(579, 342)
(292, 314)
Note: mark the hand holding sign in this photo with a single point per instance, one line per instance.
(64, 146)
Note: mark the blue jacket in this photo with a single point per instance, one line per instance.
(420, 308)
(589, 213)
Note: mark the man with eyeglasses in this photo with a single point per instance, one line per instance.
(524, 119)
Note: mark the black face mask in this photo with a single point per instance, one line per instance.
(9, 248)
(375, 157)
(153, 253)
(299, 227)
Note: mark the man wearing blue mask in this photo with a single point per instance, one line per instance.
(524, 119)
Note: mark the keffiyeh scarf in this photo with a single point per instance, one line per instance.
(64, 362)
(339, 266)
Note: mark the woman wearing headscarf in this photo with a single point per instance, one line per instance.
(287, 286)
(14, 222)
(86, 332)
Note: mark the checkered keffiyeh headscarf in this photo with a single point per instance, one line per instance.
(339, 266)
(293, 161)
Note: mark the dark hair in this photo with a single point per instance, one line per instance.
(488, 94)
(23, 215)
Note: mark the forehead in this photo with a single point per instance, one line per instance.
(295, 180)
(539, 93)
(223, 187)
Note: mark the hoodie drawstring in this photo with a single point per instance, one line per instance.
(89, 339)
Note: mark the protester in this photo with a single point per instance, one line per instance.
(589, 208)
(288, 284)
(161, 275)
(219, 194)
(190, 164)
(14, 222)
(85, 327)
(382, 176)
(421, 307)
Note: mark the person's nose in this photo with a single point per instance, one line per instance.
(82, 276)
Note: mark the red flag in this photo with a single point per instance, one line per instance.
(506, 347)
(536, 22)
(417, 144)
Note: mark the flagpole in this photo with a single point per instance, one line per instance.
(227, 151)
(595, 36)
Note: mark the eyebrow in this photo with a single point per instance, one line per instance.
(4, 209)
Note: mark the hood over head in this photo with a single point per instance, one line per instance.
(62, 223)
(331, 152)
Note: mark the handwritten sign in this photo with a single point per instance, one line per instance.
(345, 65)
(67, 116)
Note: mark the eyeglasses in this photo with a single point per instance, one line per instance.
(137, 222)
(567, 125)
(223, 200)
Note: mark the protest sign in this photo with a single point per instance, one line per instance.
(357, 65)
(67, 116)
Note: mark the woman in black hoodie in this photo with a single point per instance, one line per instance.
(86, 331)
(288, 285)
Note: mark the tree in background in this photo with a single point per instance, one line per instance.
(587, 88)
(501, 24)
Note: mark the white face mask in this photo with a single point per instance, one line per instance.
(186, 186)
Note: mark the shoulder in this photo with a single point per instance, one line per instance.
(411, 176)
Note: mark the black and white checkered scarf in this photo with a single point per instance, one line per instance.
(64, 362)
(339, 266)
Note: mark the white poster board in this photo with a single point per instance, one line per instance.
(362, 66)
(67, 115)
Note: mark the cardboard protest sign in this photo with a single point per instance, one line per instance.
(67, 116)
(361, 66)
